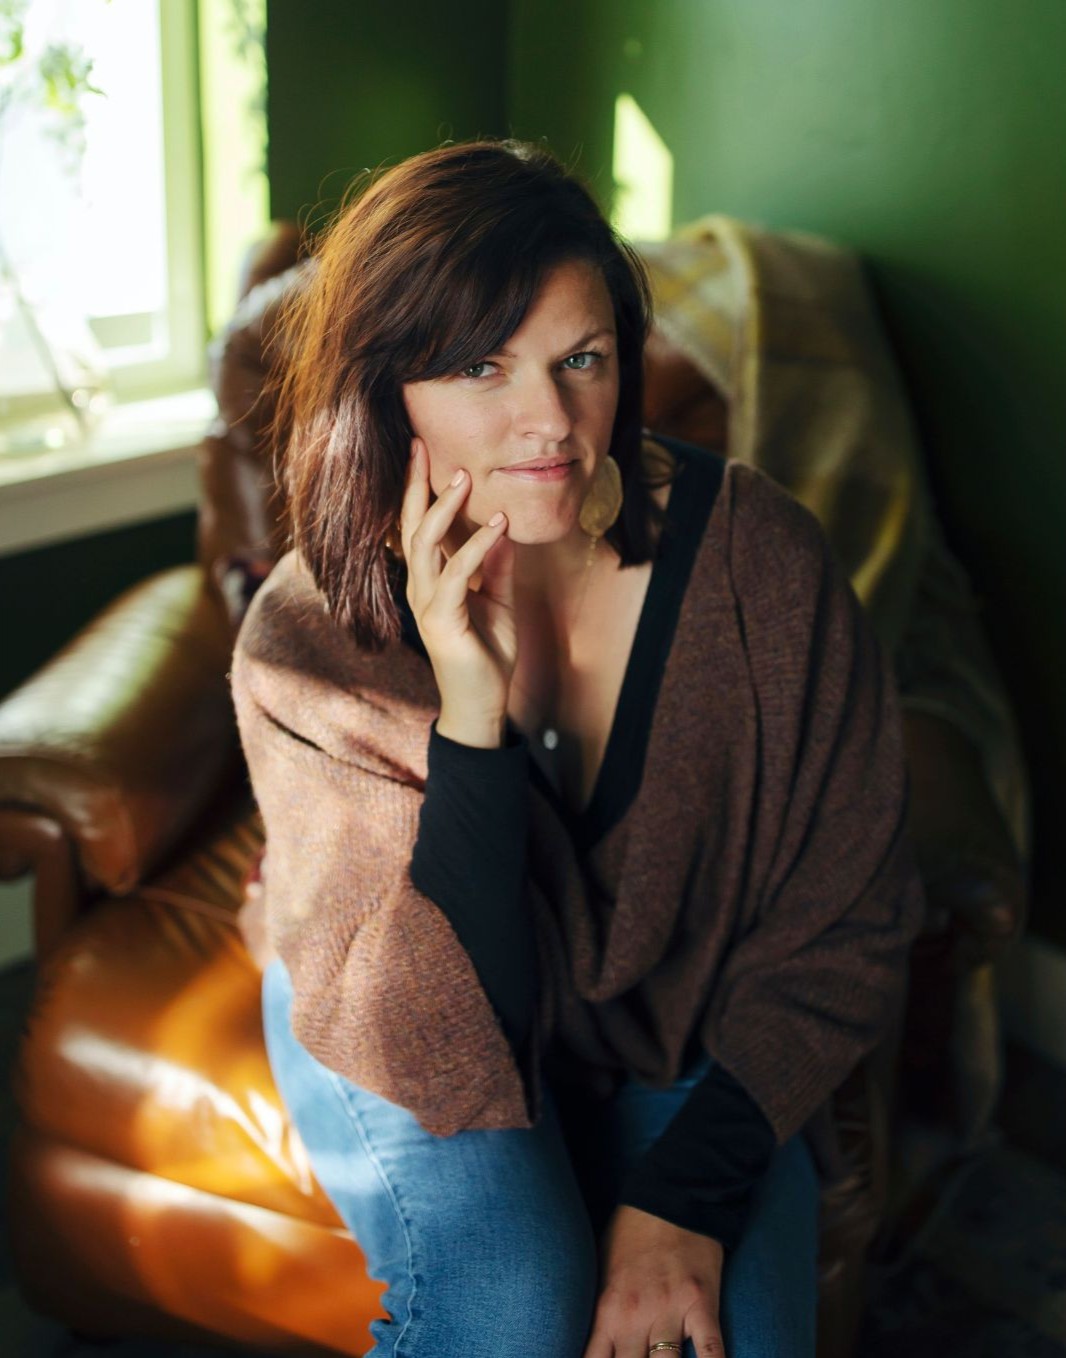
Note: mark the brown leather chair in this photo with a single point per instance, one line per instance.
(156, 1185)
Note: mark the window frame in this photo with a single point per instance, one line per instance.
(185, 364)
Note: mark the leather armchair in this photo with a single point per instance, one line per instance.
(156, 1185)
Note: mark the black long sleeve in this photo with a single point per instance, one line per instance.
(703, 1169)
(470, 859)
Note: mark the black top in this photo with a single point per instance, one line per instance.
(470, 859)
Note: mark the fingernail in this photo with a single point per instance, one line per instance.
(496, 519)
(457, 478)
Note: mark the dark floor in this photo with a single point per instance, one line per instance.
(985, 1278)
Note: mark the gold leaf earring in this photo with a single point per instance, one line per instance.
(603, 501)
(394, 542)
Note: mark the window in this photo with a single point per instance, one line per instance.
(99, 204)
(113, 240)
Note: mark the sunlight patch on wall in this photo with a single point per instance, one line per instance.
(643, 171)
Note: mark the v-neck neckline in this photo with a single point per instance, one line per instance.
(627, 739)
(618, 777)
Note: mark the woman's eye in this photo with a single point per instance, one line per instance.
(593, 354)
(576, 363)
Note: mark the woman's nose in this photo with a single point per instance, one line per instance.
(542, 410)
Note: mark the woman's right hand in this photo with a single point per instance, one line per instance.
(469, 633)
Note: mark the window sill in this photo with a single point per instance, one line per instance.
(139, 463)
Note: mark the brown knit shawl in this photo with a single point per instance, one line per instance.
(760, 892)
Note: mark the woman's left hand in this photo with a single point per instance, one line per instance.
(659, 1282)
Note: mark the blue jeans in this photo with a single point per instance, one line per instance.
(487, 1241)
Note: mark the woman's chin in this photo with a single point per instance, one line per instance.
(540, 533)
(533, 519)
(543, 523)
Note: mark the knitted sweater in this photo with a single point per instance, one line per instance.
(758, 896)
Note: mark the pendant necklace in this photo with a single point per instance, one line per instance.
(547, 734)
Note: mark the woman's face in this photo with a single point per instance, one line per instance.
(549, 395)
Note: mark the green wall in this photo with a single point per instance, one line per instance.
(931, 137)
(352, 83)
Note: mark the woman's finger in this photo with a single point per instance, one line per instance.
(425, 550)
(705, 1333)
(415, 495)
(496, 578)
(453, 583)
(600, 1345)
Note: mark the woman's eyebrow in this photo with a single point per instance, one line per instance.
(571, 349)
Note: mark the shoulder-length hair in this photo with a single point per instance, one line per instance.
(430, 268)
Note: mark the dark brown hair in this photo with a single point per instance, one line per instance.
(430, 268)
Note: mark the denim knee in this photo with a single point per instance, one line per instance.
(533, 1292)
(473, 1288)
(483, 1239)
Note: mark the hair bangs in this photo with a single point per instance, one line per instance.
(473, 309)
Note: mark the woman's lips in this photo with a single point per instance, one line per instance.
(557, 473)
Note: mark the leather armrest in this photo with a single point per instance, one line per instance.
(127, 734)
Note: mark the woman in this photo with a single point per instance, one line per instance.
(580, 769)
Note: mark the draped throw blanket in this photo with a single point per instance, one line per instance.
(784, 324)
